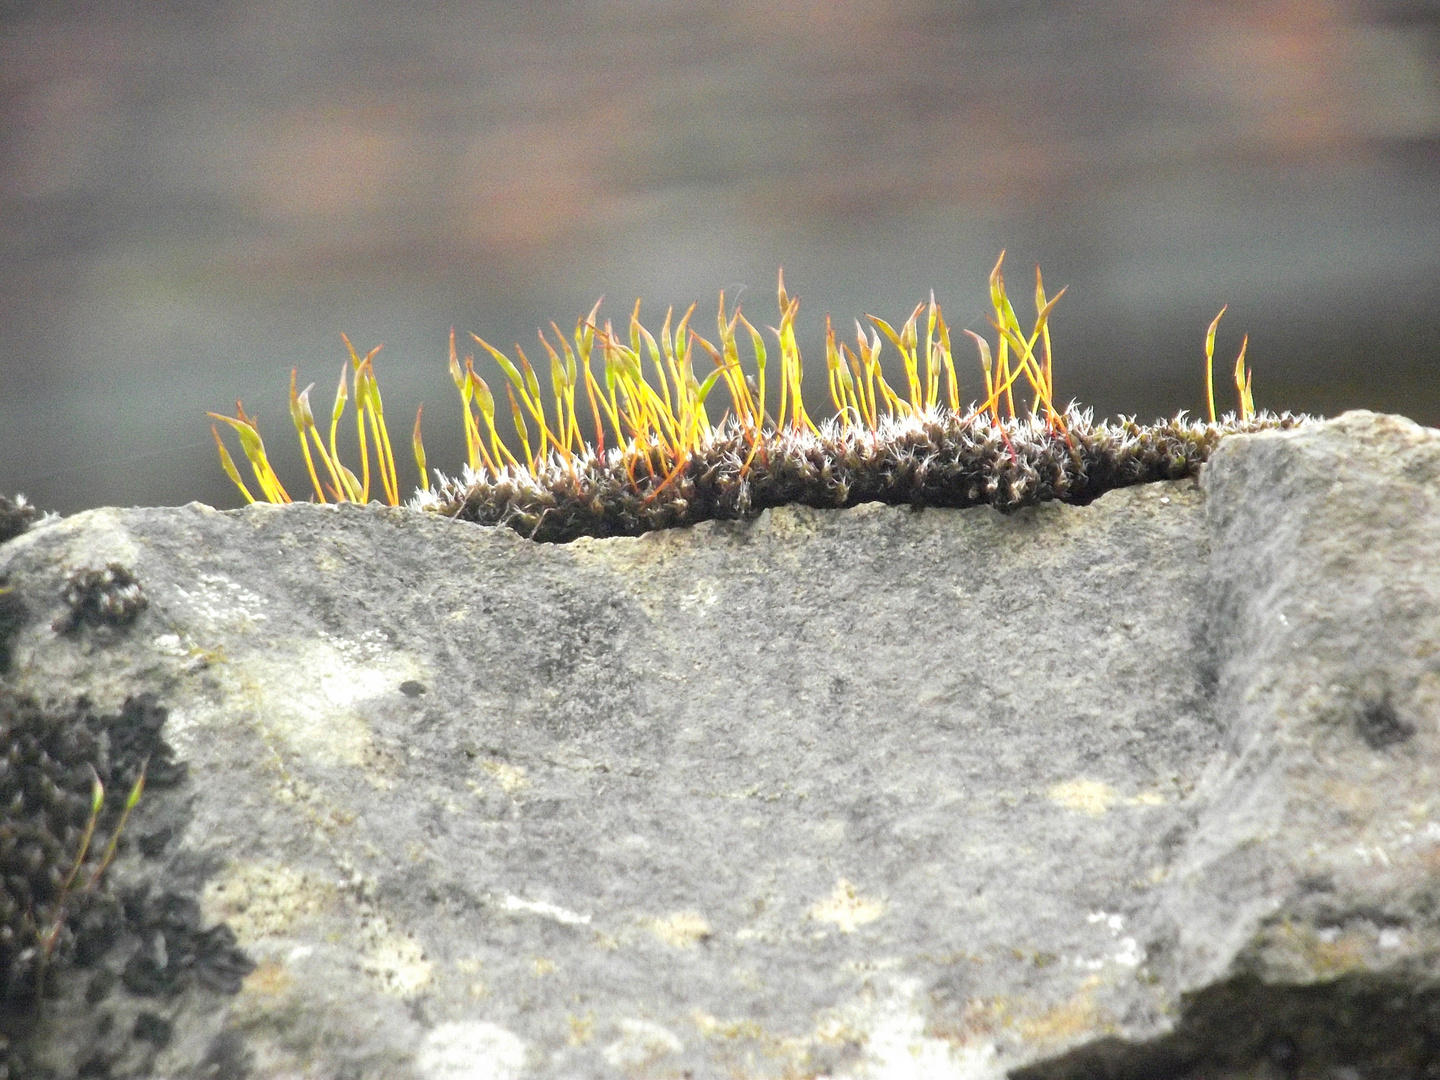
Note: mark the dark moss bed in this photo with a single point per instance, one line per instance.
(939, 460)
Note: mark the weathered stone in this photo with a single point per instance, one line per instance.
(1141, 788)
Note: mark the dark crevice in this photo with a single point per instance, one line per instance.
(1378, 1027)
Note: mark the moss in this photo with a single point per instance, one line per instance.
(108, 596)
(13, 615)
(16, 515)
(935, 460)
(670, 464)
(55, 908)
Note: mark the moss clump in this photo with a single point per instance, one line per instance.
(16, 515)
(100, 596)
(57, 835)
(935, 460)
(670, 464)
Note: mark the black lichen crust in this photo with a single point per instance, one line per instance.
(101, 596)
(46, 785)
(16, 515)
(937, 459)
(175, 949)
(13, 614)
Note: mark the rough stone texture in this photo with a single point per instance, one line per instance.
(1145, 788)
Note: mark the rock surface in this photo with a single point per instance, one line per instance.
(1144, 788)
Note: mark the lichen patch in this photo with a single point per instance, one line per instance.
(395, 961)
(311, 696)
(847, 909)
(511, 778)
(470, 1050)
(1073, 1017)
(260, 900)
(641, 1043)
(682, 930)
(1092, 797)
(1095, 797)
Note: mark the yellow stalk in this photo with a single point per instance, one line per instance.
(686, 367)
(932, 370)
(465, 387)
(1210, 363)
(735, 375)
(907, 358)
(521, 429)
(664, 425)
(606, 398)
(584, 349)
(533, 401)
(985, 363)
(558, 388)
(842, 388)
(792, 370)
(350, 489)
(1025, 351)
(130, 802)
(1041, 305)
(757, 342)
(254, 448)
(637, 333)
(511, 372)
(530, 398)
(97, 803)
(385, 455)
(863, 403)
(485, 402)
(668, 348)
(868, 350)
(952, 383)
(228, 464)
(361, 375)
(418, 448)
(301, 402)
(572, 379)
(592, 391)
(301, 417)
(1242, 383)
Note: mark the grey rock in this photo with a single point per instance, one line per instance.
(1141, 788)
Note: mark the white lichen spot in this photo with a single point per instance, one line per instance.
(224, 603)
(1146, 798)
(1129, 953)
(683, 929)
(470, 1050)
(170, 645)
(549, 911)
(847, 909)
(700, 597)
(1092, 797)
(511, 778)
(395, 961)
(641, 1043)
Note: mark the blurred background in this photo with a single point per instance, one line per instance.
(197, 197)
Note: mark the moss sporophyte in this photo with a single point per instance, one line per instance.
(659, 460)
